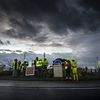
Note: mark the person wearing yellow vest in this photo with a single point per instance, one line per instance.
(44, 67)
(36, 59)
(39, 65)
(15, 66)
(74, 69)
(45, 63)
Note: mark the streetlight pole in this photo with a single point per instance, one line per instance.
(98, 66)
(44, 55)
(97, 61)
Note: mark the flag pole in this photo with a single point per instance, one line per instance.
(44, 55)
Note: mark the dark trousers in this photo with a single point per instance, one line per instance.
(68, 72)
(14, 73)
(24, 71)
(44, 71)
(38, 71)
(19, 72)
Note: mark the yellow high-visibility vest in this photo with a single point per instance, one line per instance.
(15, 65)
(74, 64)
(19, 66)
(41, 63)
(38, 63)
(45, 63)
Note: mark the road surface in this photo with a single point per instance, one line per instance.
(49, 90)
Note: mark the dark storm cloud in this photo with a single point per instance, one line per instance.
(25, 18)
(8, 42)
(58, 14)
(51, 45)
(56, 45)
(91, 4)
(24, 25)
(91, 13)
(1, 42)
(40, 39)
(21, 28)
(5, 50)
(4, 42)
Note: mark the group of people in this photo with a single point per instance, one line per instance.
(19, 67)
(70, 69)
(40, 65)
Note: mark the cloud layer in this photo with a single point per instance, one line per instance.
(56, 24)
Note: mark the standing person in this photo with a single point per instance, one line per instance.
(38, 67)
(44, 67)
(33, 66)
(69, 69)
(74, 70)
(19, 68)
(25, 64)
(65, 69)
(15, 66)
(36, 59)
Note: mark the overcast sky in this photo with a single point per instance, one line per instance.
(51, 26)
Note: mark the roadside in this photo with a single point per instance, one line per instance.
(7, 75)
(50, 84)
(33, 78)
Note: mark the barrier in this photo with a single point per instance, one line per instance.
(30, 71)
(58, 71)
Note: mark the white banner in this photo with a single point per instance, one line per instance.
(30, 71)
(58, 71)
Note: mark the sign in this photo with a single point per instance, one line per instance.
(58, 71)
(30, 71)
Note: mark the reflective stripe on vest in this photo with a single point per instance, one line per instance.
(19, 67)
(15, 65)
(45, 63)
(38, 63)
(74, 64)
